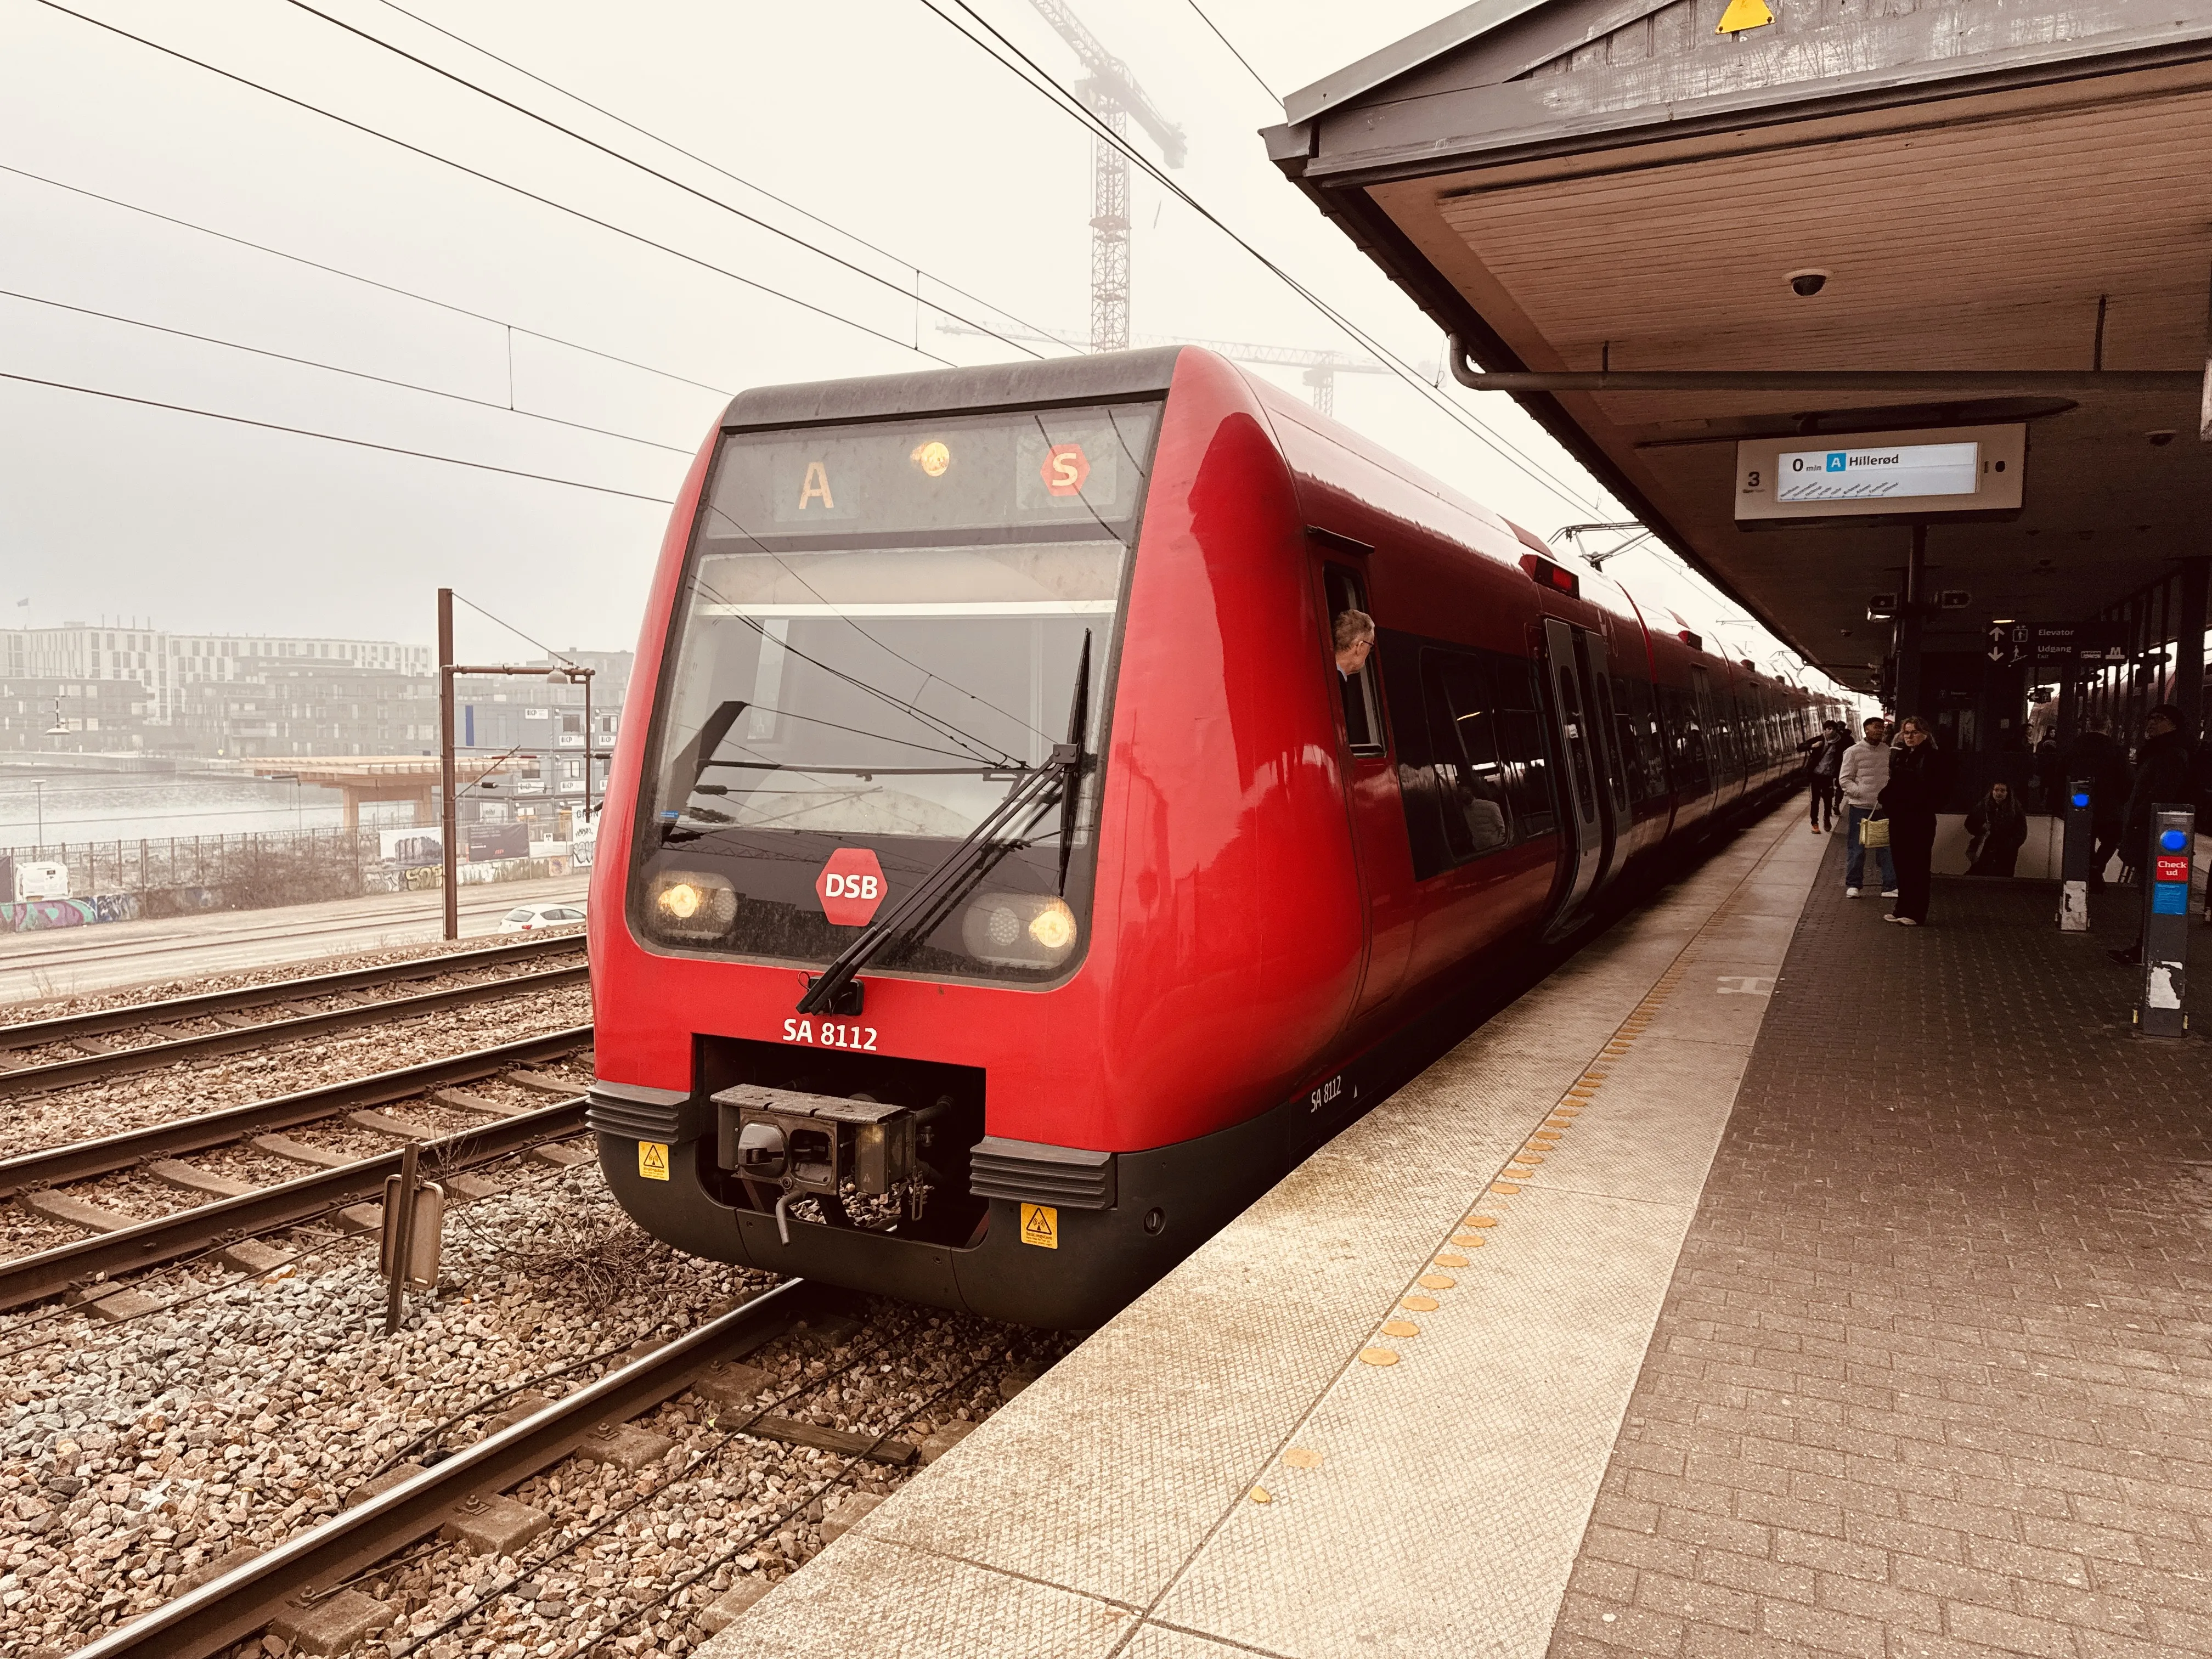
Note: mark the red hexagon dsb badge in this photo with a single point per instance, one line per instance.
(850, 887)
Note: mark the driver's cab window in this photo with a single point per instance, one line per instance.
(1352, 646)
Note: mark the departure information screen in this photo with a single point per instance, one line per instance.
(1857, 475)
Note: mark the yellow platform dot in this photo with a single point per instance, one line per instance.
(1401, 1328)
(1378, 1357)
(1261, 1495)
(1482, 1221)
(1465, 1241)
(1299, 1457)
(1529, 1157)
(1448, 1260)
(1419, 1304)
(1520, 1175)
(1505, 1189)
(1436, 1281)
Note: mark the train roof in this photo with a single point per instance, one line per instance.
(1109, 377)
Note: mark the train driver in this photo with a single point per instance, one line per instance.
(1353, 634)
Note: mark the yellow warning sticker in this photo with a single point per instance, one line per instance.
(653, 1160)
(1040, 1225)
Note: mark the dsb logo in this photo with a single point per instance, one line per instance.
(851, 887)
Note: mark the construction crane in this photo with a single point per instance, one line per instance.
(1113, 96)
(1322, 367)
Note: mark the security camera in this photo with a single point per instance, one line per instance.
(1805, 283)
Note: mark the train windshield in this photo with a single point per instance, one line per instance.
(881, 641)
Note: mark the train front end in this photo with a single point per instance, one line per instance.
(847, 888)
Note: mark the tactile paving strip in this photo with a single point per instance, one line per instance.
(1152, 1470)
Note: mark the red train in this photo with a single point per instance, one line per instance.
(1005, 879)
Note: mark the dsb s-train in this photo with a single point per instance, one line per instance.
(1001, 883)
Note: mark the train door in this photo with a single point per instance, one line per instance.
(1604, 747)
(1379, 819)
(1582, 837)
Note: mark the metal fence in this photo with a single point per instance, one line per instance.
(247, 871)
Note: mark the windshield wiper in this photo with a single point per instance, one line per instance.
(921, 910)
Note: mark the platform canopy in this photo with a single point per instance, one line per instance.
(2000, 209)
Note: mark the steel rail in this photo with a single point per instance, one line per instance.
(63, 1028)
(234, 1607)
(86, 1159)
(90, 1068)
(29, 1279)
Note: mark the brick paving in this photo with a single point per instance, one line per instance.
(1934, 1377)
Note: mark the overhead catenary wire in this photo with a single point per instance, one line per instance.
(608, 150)
(334, 369)
(478, 173)
(367, 281)
(1041, 81)
(333, 437)
(665, 143)
(1233, 52)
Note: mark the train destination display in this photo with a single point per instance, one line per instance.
(1859, 474)
(1958, 470)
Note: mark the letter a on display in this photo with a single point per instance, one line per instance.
(817, 486)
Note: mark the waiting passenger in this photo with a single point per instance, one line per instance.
(1911, 797)
(1997, 829)
(1824, 761)
(1863, 771)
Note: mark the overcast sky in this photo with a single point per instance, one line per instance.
(873, 114)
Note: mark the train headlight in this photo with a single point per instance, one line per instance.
(1019, 930)
(688, 904)
(1054, 928)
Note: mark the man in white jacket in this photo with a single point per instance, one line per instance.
(1865, 770)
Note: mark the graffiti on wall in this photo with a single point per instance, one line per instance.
(429, 876)
(40, 915)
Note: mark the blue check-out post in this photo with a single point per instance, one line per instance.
(2077, 862)
(2166, 923)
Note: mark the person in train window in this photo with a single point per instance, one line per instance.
(1996, 829)
(1353, 636)
(1911, 797)
(1864, 769)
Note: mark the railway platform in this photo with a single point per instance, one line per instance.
(1852, 1301)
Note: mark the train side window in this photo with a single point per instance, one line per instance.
(1470, 784)
(1632, 729)
(1363, 708)
(1522, 750)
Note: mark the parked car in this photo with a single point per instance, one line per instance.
(530, 918)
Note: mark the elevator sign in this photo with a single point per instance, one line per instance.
(1896, 475)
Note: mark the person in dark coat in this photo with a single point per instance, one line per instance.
(1910, 798)
(1824, 760)
(1996, 829)
(2164, 764)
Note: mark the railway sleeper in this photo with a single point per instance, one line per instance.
(486, 1520)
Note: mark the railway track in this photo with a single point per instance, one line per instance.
(121, 1244)
(303, 1583)
(96, 1058)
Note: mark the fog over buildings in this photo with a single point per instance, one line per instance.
(270, 373)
